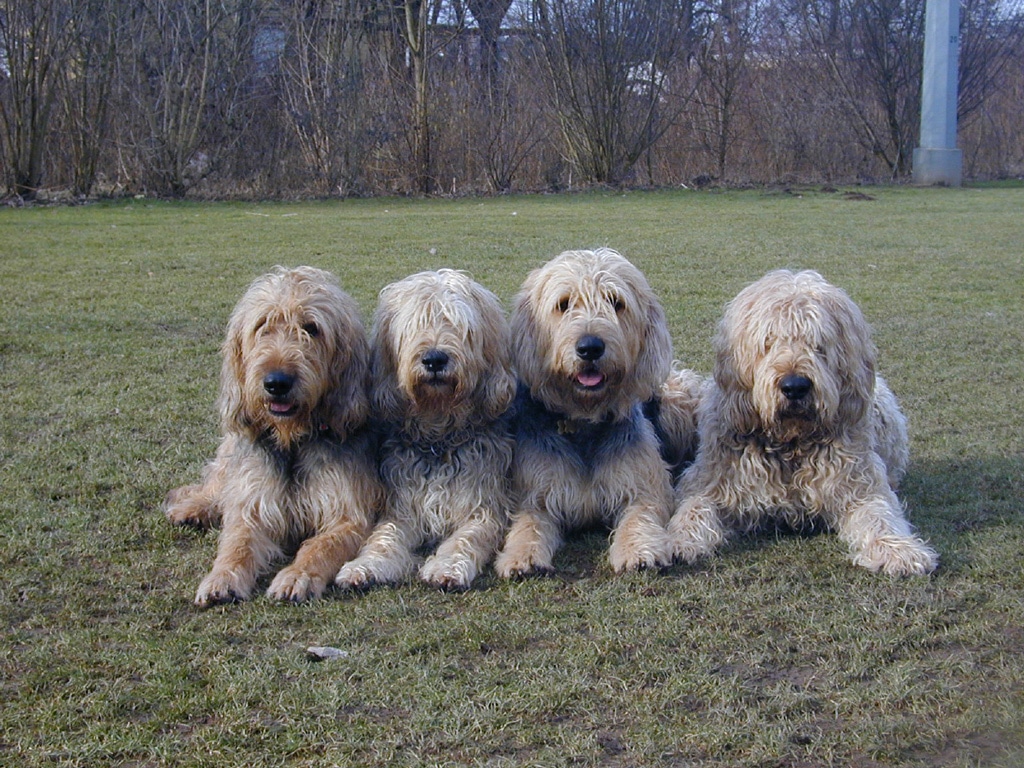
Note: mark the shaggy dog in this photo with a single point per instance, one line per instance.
(798, 429)
(295, 465)
(441, 382)
(591, 346)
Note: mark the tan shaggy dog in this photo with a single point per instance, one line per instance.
(798, 429)
(591, 346)
(442, 382)
(295, 469)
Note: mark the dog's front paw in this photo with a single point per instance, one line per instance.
(355, 576)
(689, 549)
(295, 585)
(223, 586)
(654, 551)
(509, 567)
(187, 507)
(448, 575)
(695, 533)
(898, 556)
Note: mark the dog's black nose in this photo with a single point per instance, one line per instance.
(434, 360)
(278, 384)
(590, 348)
(795, 387)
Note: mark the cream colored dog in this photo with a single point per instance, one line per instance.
(591, 346)
(442, 382)
(798, 428)
(295, 469)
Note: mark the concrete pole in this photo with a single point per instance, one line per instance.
(937, 160)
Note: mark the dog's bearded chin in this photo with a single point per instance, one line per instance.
(434, 391)
(796, 413)
(792, 425)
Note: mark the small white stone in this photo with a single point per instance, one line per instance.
(325, 652)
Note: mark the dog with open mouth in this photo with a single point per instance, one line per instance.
(591, 346)
(295, 471)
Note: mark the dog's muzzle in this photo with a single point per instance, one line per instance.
(795, 387)
(436, 378)
(278, 386)
(590, 349)
(435, 360)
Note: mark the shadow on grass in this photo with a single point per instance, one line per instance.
(953, 502)
(958, 495)
(948, 502)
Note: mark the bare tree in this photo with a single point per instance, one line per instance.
(34, 44)
(489, 15)
(87, 87)
(323, 87)
(511, 126)
(607, 63)
(170, 78)
(991, 136)
(991, 32)
(354, 96)
(870, 51)
(416, 31)
(728, 29)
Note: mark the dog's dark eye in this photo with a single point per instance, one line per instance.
(617, 304)
(311, 329)
(563, 304)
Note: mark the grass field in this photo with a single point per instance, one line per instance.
(778, 652)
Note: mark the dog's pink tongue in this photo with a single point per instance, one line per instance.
(590, 379)
(280, 407)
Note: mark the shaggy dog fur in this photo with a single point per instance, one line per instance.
(295, 466)
(442, 382)
(591, 346)
(797, 428)
(673, 411)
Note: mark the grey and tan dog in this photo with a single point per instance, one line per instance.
(591, 346)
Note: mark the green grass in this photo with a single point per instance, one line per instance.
(776, 653)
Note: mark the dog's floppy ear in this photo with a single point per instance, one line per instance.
(856, 357)
(348, 402)
(231, 372)
(527, 352)
(234, 415)
(733, 373)
(346, 406)
(736, 410)
(655, 361)
(385, 393)
(497, 386)
(737, 345)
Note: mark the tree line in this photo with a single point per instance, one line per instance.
(281, 98)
